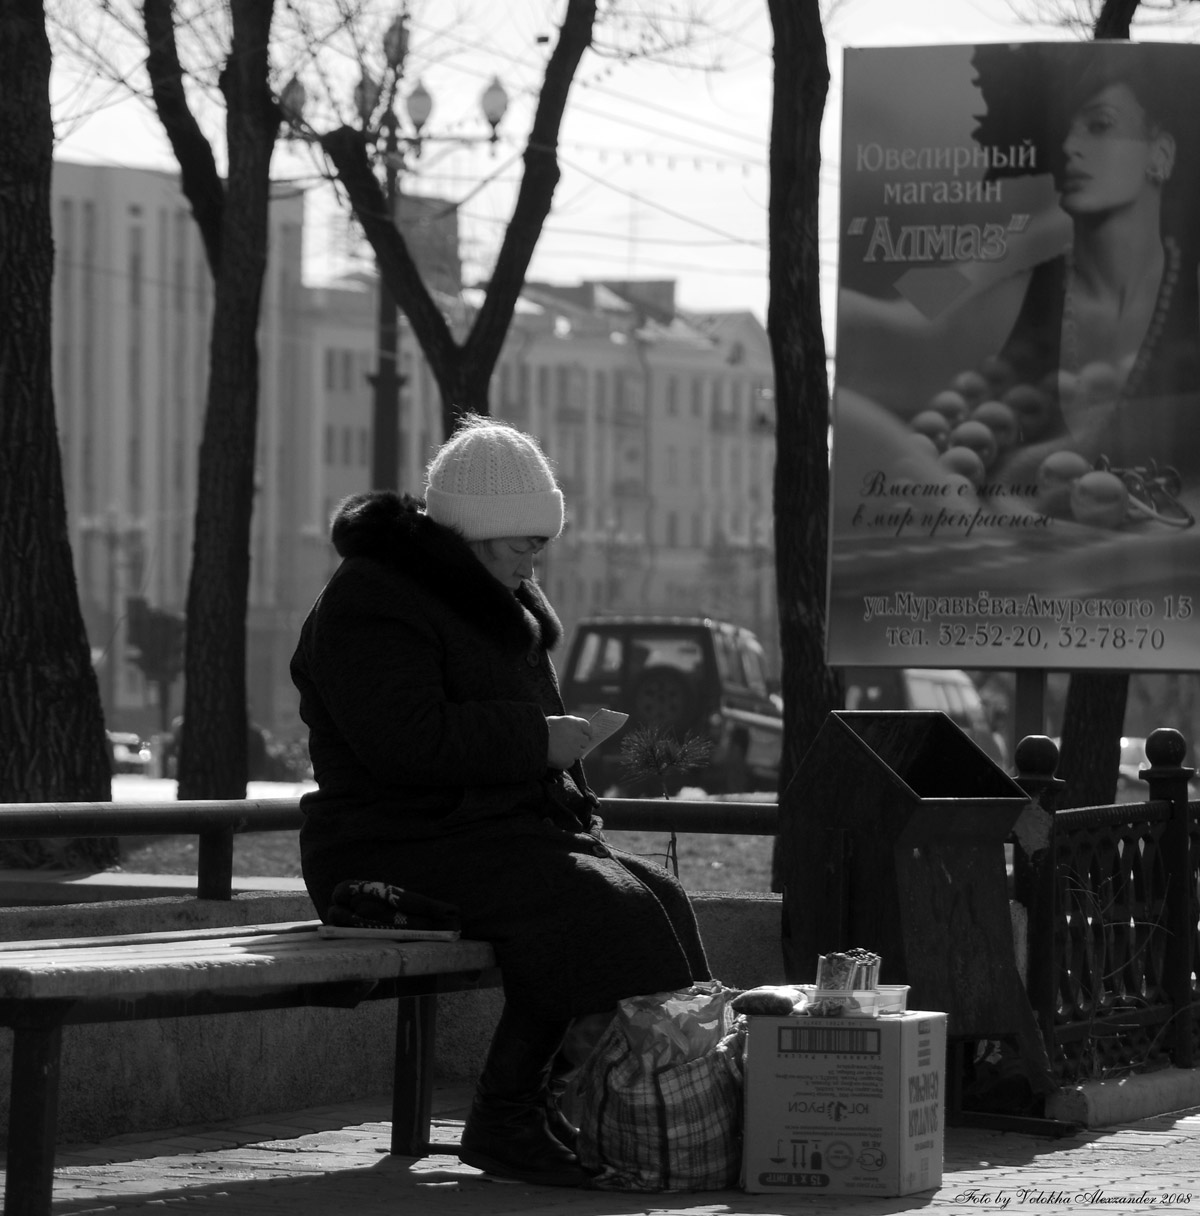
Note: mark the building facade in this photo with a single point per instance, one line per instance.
(660, 426)
(132, 311)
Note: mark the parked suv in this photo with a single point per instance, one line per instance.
(683, 675)
(945, 688)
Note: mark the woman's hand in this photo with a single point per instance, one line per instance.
(569, 738)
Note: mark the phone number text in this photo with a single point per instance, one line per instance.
(1065, 637)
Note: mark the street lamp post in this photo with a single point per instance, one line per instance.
(387, 381)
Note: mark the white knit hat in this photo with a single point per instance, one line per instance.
(489, 480)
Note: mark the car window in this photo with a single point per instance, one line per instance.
(754, 664)
(925, 694)
(729, 662)
(955, 705)
(599, 656)
(585, 662)
(654, 648)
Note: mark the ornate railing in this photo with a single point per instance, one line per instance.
(1114, 920)
(1112, 894)
(216, 823)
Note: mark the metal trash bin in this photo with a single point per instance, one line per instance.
(895, 843)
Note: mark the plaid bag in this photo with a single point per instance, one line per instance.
(661, 1095)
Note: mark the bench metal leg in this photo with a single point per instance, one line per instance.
(412, 1086)
(32, 1120)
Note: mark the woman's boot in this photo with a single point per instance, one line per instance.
(506, 1131)
(562, 1095)
(560, 1114)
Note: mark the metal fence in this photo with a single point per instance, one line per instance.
(216, 823)
(1112, 897)
(1113, 902)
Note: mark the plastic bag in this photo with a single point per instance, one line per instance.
(661, 1094)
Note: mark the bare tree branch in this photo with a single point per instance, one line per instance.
(463, 371)
(537, 189)
(198, 167)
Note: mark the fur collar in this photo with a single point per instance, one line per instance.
(394, 529)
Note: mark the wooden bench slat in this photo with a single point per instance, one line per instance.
(165, 935)
(45, 984)
(222, 964)
(231, 952)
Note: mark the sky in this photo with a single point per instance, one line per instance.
(663, 159)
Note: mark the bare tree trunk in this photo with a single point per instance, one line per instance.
(463, 371)
(233, 221)
(1094, 716)
(1115, 19)
(52, 743)
(810, 688)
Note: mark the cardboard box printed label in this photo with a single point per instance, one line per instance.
(852, 1105)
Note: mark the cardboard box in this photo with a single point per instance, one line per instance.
(845, 1105)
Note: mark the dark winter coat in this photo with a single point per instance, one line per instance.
(426, 684)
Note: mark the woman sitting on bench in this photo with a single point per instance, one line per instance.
(446, 766)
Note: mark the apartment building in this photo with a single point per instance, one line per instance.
(660, 425)
(132, 310)
(661, 428)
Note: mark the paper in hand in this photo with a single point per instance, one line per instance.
(605, 724)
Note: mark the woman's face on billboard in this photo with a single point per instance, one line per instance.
(1109, 153)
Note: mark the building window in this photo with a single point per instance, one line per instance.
(347, 369)
(601, 391)
(182, 228)
(347, 444)
(672, 466)
(697, 398)
(672, 530)
(330, 445)
(672, 396)
(135, 267)
(330, 369)
(64, 269)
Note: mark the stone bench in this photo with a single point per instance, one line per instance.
(47, 984)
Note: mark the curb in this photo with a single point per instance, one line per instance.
(1125, 1100)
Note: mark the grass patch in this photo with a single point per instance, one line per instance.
(707, 862)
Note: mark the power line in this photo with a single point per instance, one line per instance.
(640, 198)
(641, 102)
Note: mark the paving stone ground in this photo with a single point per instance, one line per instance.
(334, 1160)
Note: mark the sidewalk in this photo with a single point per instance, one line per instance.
(328, 1161)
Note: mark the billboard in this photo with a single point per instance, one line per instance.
(1016, 417)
